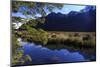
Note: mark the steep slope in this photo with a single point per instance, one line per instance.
(83, 21)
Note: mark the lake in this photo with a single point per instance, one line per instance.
(43, 55)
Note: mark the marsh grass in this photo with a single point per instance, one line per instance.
(79, 40)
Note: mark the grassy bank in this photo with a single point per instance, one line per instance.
(74, 39)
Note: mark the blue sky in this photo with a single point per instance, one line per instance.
(65, 10)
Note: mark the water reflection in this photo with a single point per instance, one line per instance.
(41, 55)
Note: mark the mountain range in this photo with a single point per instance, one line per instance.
(82, 21)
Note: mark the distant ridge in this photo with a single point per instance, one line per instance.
(83, 21)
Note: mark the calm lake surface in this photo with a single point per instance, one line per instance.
(43, 55)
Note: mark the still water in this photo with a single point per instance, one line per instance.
(43, 55)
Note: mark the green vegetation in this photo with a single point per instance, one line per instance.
(27, 31)
(32, 8)
(53, 40)
(17, 55)
(33, 35)
(75, 41)
(16, 19)
(34, 22)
